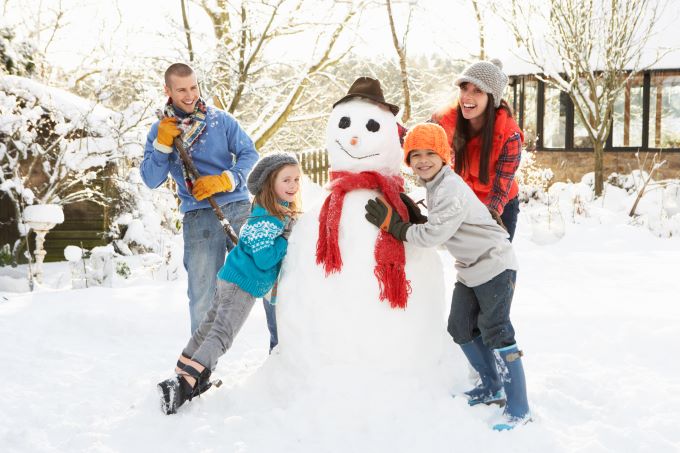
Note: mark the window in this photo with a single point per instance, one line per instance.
(554, 118)
(529, 121)
(581, 137)
(511, 95)
(664, 110)
(627, 115)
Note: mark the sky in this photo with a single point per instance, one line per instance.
(440, 26)
(126, 29)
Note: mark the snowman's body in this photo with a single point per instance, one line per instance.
(338, 320)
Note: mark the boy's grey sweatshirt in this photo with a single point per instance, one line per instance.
(459, 221)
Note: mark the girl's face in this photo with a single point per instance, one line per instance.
(425, 163)
(287, 183)
(473, 102)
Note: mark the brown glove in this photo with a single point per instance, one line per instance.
(497, 217)
(206, 186)
(167, 131)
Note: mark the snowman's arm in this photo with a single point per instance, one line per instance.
(444, 219)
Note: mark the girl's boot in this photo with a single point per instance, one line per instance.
(482, 359)
(176, 391)
(203, 383)
(517, 407)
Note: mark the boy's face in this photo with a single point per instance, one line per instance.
(184, 92)
(425, 163)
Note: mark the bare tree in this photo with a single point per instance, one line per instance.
(590, 49)
(401, 54)
(187, 31)
(480, 24)
(246, 30)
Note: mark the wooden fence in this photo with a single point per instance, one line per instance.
(315, 165)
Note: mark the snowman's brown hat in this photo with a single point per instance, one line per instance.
(368, 88)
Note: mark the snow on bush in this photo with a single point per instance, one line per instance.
(533, 180)
(148, 219)
(17, 55)
(550, 211)
(55, 146)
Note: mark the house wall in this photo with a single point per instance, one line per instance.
(572, 165)
(85, 224)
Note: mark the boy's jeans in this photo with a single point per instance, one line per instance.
(484, 309)
(205, 246)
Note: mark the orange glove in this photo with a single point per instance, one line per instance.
(167, 131)
(206, 186)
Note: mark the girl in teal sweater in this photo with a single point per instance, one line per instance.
(250, 272)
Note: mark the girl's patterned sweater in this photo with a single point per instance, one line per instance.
(255, 262)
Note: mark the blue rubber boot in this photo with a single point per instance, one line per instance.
(517, 407)
(482, 359)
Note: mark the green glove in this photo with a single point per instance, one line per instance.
(381, 214)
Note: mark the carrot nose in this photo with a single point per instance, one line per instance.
(353, 141)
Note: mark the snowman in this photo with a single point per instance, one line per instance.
(350, 295)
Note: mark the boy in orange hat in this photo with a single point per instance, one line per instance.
(486, 267)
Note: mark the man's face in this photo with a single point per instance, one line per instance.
(184, 92)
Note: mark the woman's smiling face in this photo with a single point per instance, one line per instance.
(473, 101)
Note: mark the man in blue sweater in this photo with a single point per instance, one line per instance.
(224, 155)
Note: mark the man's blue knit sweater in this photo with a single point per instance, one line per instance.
(223, 145)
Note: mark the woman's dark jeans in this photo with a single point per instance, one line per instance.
(509, 216)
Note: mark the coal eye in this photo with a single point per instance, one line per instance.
(373, 126)
(344, 122)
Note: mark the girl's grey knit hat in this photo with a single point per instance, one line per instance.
(265, 166)
(488, 76)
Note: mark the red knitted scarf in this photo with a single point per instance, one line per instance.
(389, 252)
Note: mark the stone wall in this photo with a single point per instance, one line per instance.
(572, 165)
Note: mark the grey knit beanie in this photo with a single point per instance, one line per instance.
(488, 76)
(265, 166)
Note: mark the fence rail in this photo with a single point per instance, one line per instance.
(315, 165)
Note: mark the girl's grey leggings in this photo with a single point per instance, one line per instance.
(229, 311)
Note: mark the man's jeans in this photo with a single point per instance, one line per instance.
(205, 246)
(485, 310)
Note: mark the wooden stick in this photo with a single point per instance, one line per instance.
(193, 172)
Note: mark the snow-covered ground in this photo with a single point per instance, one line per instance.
(596, 311)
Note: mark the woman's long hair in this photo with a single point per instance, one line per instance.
(270, 202)
(464, 134)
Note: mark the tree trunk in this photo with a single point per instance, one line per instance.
(480, 24)
(187, 31)
(599, 168)
(401, 54)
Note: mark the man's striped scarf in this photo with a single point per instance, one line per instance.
(192, 126)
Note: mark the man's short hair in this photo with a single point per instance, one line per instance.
(179, 70)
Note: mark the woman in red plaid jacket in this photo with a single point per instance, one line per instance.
(486, 140)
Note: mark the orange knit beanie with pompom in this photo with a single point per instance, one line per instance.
(427, 136)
